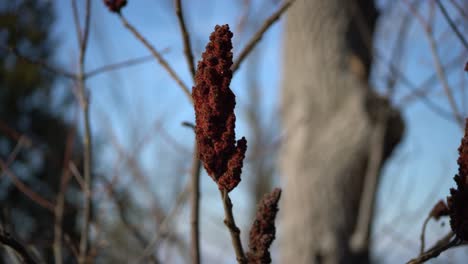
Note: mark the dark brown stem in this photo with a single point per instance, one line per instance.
(258, 36)
(9, 241)
(233, 229)
(195, 206)
(186, 37)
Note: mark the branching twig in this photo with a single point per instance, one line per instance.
(233, 229)
(258, 36)
(185, 36)
(156, 55)
(441, 246)
(9, 241)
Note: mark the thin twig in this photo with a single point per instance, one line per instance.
(7, 240)
(156, 55)
(37, 198)
(452, 24)
(423, 233)
(76, 22)
(195, 206)
(84, 100)
(118, 65)
(39, 63)
(186, 37)
(181, 198)
(233, 229)
(258, 36)
(438, 64)
(64, 180)
(127, 223)
(434, 252)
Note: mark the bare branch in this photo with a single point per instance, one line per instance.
(233, 229)
(156, 55)
(118, 65)
(84, 101)
(39, 63)
(258, 36)
(186, 38)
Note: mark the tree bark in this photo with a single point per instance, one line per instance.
(328, 116)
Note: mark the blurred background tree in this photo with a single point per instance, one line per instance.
(33, 131)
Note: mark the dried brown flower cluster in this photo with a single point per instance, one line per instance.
(214, 105)
(115, 5)
(263, 229)
(458, 201)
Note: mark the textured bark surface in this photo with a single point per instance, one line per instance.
(325, 115)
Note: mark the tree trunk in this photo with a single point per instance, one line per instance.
(329, 115)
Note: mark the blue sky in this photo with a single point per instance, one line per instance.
(131, 101)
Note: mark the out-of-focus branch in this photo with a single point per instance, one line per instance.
(156, 55)
(452, 24)
(35, 197)
(258, 36)
(233, 229)
(163, 228)
(186, 37)
(64, 180)
(84, 102)
(127, 223)
(21, 250)
(438, 64)
(118, 65)
(40, 63)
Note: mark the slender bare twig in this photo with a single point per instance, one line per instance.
(119, 65)
(423, 233)
(76, 22)
(156, 55)
(438, 64)
(435, 251)
(40, 63)
(57, 246)
(25, 189)
(186, 37)
(195, 206)
(127, 223)
(459, 8)
(452, 24)
(443, 78)
(7, 240)
(196, 164)
(233, 229)
(259, 34)
(84, 101)
(181, 198)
